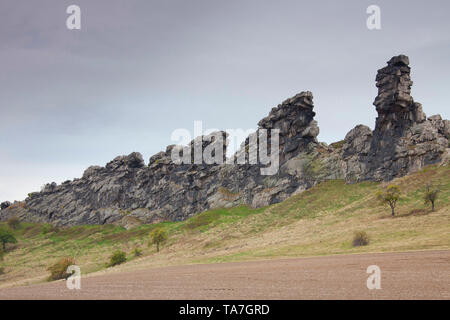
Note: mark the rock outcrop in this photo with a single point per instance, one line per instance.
(128, 192)
(295, 120)
(404, 140)
(5, 205)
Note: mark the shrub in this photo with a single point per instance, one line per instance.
(6, 236)
(117, 257)
(14, 223)
(136, 252)
(59, 270)
(360, 238)
(2, 271)
(158, 237)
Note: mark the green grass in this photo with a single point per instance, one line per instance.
(212, 218)
(319, 221)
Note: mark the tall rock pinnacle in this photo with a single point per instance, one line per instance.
(394, 103)
(403, 139)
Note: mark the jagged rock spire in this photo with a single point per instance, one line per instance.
(294, 117)
(394, 102)
(394, 85)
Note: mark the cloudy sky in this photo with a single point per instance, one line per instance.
(137, 70)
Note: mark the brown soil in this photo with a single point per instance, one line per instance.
(409, 275)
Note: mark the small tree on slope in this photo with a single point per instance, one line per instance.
(389, 196)
(6, 236)
(158, 237)
(431, 195)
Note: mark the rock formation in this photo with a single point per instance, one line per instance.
(295, 120)
(404, 139)
(128, 192)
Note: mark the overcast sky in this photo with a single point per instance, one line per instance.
(137, 70)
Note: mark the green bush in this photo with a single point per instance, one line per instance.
(6, 236)
(59, 270)
(117, 257)
(360, 238)
(2, 271)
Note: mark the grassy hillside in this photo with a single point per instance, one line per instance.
(319, 221)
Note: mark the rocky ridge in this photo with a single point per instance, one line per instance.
(128, 192)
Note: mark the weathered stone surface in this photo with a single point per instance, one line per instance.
(295, 120)
(128, 192)
(355, 152)
(5, 205)
(403, 139)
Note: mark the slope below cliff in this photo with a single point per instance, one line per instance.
(319, 221)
